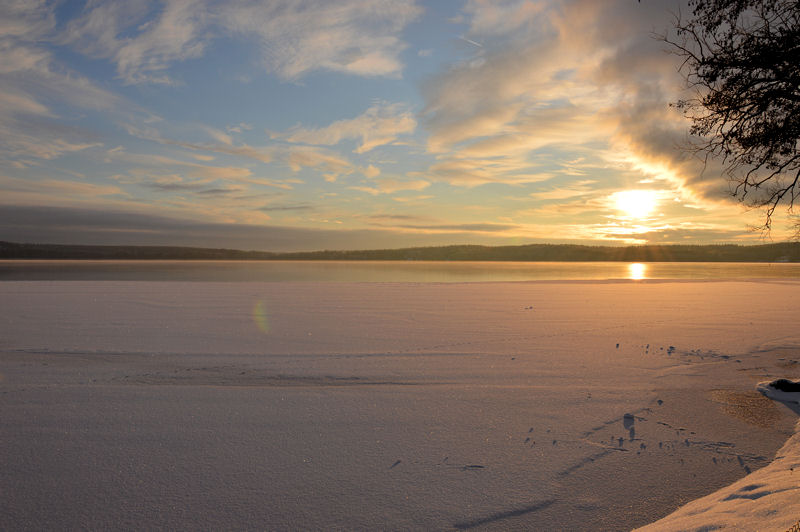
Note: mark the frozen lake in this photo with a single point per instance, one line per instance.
(316, 405)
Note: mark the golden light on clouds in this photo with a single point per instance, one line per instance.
(548, 122)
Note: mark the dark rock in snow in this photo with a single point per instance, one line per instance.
(785, 385)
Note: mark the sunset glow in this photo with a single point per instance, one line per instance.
(636, 204)
(287, 125)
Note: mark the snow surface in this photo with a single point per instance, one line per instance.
(549, 405)
(768, 499)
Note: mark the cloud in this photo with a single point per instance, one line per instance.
(681, 233)
(379, 125)
(463, 170)
(452, 228)
(59, 225)
(596, 204)
(262, 154)
(12, 103)
(571, 75)
(238, 128)
(396, 217)
(329, 163)
(57, 187)
(412, 199)
(176, 184)
(488, 18)
(27, 133)
(141, 50)
(152, 168)
(28, 19)
(20, 57)
(36, 89)
(371, 171)
(218, 135)
(571, 190)
(285, 208)
(390, 186)
(360, 37)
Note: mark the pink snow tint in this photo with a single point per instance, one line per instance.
(402, 406)
(768, 499)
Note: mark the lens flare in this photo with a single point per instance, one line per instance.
(260, 317)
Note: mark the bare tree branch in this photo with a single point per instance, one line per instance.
(742, 59)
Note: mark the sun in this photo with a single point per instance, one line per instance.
(635, 203)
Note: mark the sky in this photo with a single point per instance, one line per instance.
(349, 124)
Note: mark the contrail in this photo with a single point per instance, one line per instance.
(479, 45)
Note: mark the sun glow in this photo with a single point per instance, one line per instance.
(635, 203)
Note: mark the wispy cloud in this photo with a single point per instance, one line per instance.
(172, 173)
(391, 218)
(451, 228)
(571, 75)
(490, 18)
(28, 19)
(458, 169)
(62, 187)
(571, 190)
(218, 135)
(285, 208)
(360, 37)
(391, 185)
(35, 90)
(329, 163)
(142, 50)
(379, 125)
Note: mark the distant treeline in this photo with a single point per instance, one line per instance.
(783, 252)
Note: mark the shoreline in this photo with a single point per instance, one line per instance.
(759, 500)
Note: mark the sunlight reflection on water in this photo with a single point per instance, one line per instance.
(637, 271)
(383, 271)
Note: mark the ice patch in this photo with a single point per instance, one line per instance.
(763, 500)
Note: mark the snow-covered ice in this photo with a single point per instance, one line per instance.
(300, 405)
(767, 499)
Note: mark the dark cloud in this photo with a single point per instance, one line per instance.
(44, 224)
(173, 187)
(477, 228)
(217, 191)
(693, 235)
(196, 188)
(298, 207)
(395, 217)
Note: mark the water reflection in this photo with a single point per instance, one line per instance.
(382, 271)
(637, 271)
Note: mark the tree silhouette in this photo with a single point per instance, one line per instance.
(741, 58)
